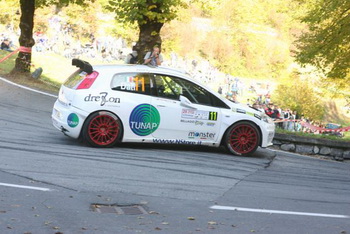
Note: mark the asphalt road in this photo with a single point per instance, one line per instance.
(50, 183)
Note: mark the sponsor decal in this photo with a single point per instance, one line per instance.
(144, 119)
(195, 122)
(199, 123)
(103, 98)
(132, 83)
(248, 113)
(187, 121)
(201, 135)
(73, 120)
(198, 114)
(210, 124)
(130, 86)
(178, 142)
(257, 116)
(240, 111)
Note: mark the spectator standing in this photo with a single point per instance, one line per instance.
(132, 57)
(154, 57)
(269, 110)
(275, 112)
(286, 117)
(262, 108)
(220, 90)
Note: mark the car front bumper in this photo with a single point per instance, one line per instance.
(269, 134)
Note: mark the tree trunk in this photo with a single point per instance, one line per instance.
(26, 41)
(149, 37)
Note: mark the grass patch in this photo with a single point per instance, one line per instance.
(44, 83)
(7, 65)
(316, 136)
(56, 69)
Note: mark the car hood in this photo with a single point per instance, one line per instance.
(244, 109)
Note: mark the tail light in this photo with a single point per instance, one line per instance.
(88, 80)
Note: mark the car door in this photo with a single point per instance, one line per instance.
(135, 109)
(187, 111)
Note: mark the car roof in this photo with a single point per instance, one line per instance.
(140, 68)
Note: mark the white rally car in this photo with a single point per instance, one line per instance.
(108, 104)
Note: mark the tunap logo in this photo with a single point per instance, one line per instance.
(144, 119)
(73, 120)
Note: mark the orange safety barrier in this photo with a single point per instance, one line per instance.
(9, 55)
(313, 127)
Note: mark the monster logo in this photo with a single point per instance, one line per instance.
(144, 119)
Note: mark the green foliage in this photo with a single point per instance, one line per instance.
(144, 11)
(83, 24)
(206, 8)
(115, 29)
(41, 18)
(326, 44)
(8, 64)
(251, 38)
(9, 13)
(299, 95)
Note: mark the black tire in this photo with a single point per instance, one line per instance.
(242, 138)
(102, 129)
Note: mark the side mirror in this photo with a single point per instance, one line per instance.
(185, 102)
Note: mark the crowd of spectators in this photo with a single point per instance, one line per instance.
(286, 118)
(62, 39)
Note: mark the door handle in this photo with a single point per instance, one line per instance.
(161, 106)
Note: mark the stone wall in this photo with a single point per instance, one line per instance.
(338, 150)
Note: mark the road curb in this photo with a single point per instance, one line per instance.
(27, 88)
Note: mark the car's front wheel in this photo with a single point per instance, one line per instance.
(102, 129)
(242, 138)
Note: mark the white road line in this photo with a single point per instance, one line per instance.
(279, 212)
(24, 87)
(25, 187)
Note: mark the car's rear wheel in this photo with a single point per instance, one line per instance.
(102, 129)
(242, 138)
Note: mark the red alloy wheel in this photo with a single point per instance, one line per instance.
(243, 138)
(103, 130)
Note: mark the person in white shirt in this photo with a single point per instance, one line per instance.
(154, 58)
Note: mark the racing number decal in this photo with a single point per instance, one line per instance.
(137, 81)
(213, 115)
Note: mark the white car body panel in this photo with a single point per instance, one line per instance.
(180, 122)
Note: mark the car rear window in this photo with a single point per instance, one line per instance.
(74, 79)
(80, 80)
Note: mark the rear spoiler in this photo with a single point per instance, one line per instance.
(83, 65)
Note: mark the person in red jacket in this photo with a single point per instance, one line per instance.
(269, 110)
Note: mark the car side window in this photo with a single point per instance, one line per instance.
(132, 82)
(173, 87)
(166, 87)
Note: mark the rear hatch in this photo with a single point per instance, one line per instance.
(79, 80)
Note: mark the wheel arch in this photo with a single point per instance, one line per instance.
(121, 121)
(245, 120)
